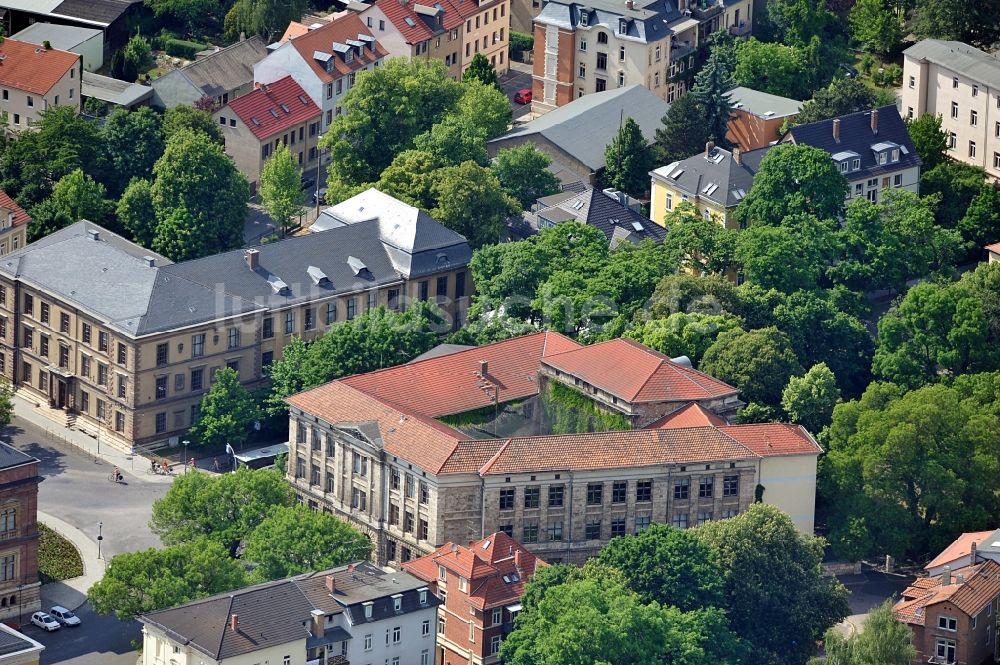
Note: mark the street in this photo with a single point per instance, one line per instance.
(514, 80)
(76, 489)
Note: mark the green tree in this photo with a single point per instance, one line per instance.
(954, 185)
(155, 579)
(471, 201)
(179, 118)
(138, 55)
(226, 413)
(410, 178)
(523, 172)
(960, 20)
(797, 22)
(481, 70)
(706, 245)
(711, 89)
(684, 132)
(779, 257)
(224, 509)
(841, 97)
(771, 67)
(981, 223)
(809, 399)
(876, 26)
(909, 470)
(770, 569)
(190, 13)
(485, 105)
(628, 159)
(267, 18)
(454, 140)
(794, 179)
(281, 187)
(294, 539)
(929, 139)
(134, 141)
(667, 565)
(882, 640)
(199, 197)
(687, 293)
(135, 212)
(81, 198)
(384, 112)
(288, 375)
(683, 334)
(6, 403)
(758, 362)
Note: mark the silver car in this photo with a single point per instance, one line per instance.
(64, 616)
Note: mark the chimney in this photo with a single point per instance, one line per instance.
(737, 155)
(252, 257)
(316, 627)
(350, 567)
(234, 623)
(972, 553)
(149, 261)
(517, 559)
(836, 130)
(874, 121)
(243, 36)
(709, 147)
(94, 234)
(630, 4)
(331, 584)
(484, 368)
(946, 576)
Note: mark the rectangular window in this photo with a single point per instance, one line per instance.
(267, 331)
(331, 313)
(289, 322)
(161, 423)
(554, 532)
(555, 496)
(644, 490)
(531, 497)
(617, 527)
(679, 521)
(595, 492)
(948, 623)
(973, 118)
(507, 528)
(351, 308)
(234, 339)
(45, 311)
(972, 148)
(459, 285)
(102, 374)
(954, 109)
(705, 487)
(507, 499)
(681, 488)
(198, 345)
(29, 305)
(161, 387)
(424, 493)
(86, 333)
(310, 318)
(897, 180)
(123, 388)
(730, 486)
(63, 356)
(162, 352)
(422, 529)
(408, 522)
(704, 517)
(119, 421)
(618, 491)
(8, 567)
(43, 345)
(641, 523)
(197, 377)
(122, 354)
(945, 650)
(530, 533)
(64, 323)
(593, 530)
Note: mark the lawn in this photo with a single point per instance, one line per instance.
(58, 559)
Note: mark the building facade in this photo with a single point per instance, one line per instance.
(13, 225)
(19, 585)
(480, 587)
(124, 344)
(757, 118)
(275, 114)
(586, 48)
(377, 451)
(34, 79)
(352, 614)
(961, 85)
(325, 61)
(221, 76)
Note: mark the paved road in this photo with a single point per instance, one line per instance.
(97, 640)
(514, 80)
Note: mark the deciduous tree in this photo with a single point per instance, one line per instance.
(876, 26)
(136, 213)
(454, 140)
(182, 117)
(683, 334)
(628, 160)
(772, 67)
(882, 640)
(134, 141)
(267, 18)
(281, 187)
(524, 174)
(759, 363)
(706, 245)
(471, 201)
(809, 399)
(481, 70)
(841, 97)
(226, 413)
(486, 105)
(929, 139)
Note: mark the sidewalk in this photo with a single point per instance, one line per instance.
(72, 593)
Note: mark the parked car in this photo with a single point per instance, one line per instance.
(523, 96)
(848, 71)
(308, 184)
(320, 196)
(44, 621)
(64, 616)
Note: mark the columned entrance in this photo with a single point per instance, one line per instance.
(61, 389)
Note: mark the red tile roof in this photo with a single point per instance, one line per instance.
(450, 384)
(20, 217)
(294, 29)
(773, 439)
(995, 248)
(962, 546)
(423, 26)
(689, 415)
(635, 373)
(263, 109)
(347, 27)
(31, 68)
(490, 566)
(980, 585)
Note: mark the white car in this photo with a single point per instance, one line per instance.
(43, 620)
(64, 616)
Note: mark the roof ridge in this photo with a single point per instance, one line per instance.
(485, 468)
(727, 435)
(222, 49)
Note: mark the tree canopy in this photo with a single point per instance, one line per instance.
(711, 89)
(628, 160)
(929, 139)
(281, 187)
(772, 67)
(759, 362)
(882, 640)
(226, 413)
(809, 399)
(524, 174)
(684, 132)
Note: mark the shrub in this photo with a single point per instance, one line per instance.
(180, 48)
(58, 559)
(521, 42)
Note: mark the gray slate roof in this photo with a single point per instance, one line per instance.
(111, 277)
(607, 214)
(11, 457)
(113, 91)
(12, 641)
(959, 57)
(228, 68)
(62, 37)
(276, 613)
(647, 20)
(763, 104)
(102, 12)
(698, 175)
(584, 127)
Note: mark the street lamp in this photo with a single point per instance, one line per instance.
(100, 537)
(20, 603)
(185, 442)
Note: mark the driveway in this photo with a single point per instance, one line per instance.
(869, 589)
(98, 639)
(514, 80)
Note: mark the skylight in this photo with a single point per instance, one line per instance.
(409, 21)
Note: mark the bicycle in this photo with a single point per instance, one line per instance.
(159, 469)
(117, 479)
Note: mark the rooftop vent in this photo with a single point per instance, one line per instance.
(318, 276)
(255, 121)
(94, 234)
(149, 261)
(284, 107)
(357, 265)
(274, 114)
(277, 284)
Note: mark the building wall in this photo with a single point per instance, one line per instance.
(488, 32)
(971, 646)
(522, 15)
(25, 109)
(790, 484)
(749, 131)
(553, 67)
(92, 52)
(158, 649)
(874, 187)
(415, 640)
(931, 88)
(551, 149)
(19, 539)
(386, 33)
(247, 150)
(665, 198)
(14, 238)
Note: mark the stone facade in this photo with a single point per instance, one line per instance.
(19, 585)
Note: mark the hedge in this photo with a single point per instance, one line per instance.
(58, 559)
(181, 48)
(521, 42)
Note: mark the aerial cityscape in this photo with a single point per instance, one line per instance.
(499, 332)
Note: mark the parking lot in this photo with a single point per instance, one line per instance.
(518, 77)
(98, 639)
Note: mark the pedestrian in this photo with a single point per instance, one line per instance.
(215, 465)
(231, 455)
(193, 465)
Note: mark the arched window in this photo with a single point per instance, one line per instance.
(602, 38)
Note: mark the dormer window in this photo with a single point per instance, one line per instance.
(856, 164)
(883, 157)
(397, 602)
(442, 573)
(623, 26)
(602, 38)
(348, 56)
(843, 166)
(584, 17)
(423, 596)
(368, 610)
(895, 154)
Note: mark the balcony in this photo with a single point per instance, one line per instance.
(704, 9)
(741, 30)
(337, 660)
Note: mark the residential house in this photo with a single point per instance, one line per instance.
(114, 92)
(275, 114)
(13, 225)
(576, 135)
(350, 614)
(17, 648)
(872, 149)
(966, 550)
(714, 182)
(116, 19)
(88, 43)
(757, 117)
(34, 79)
(961, 85)
(582, 48)
(953, 614)
(111, 338)
(460, 441)
(222, 76)
(480, 587)
(19, 585)
(993, 252)
(324, 61)
(615, 214)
